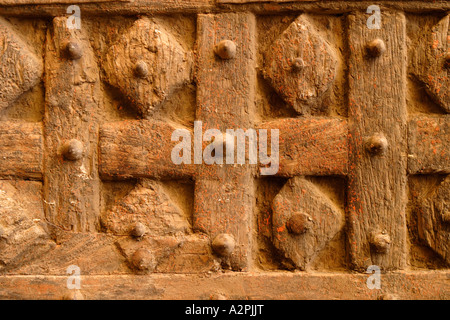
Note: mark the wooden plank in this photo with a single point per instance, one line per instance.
(200, 6)
(139, 149)
(281, 1)
(377, 181)
(314, 146)
(429, 145)
(237, 286)
(37, 2)
(71, 188)
(21, 150)
(224, 195)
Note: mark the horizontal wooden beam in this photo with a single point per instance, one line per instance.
(21, 150)
(429, 145)
(284, 1)
(69, 2)
(264, 285)
(316, 146)
(48, 9)
(139, 149)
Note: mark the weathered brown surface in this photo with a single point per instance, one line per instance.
(429, 141)
(316, 221)
(21, 150)
(165, 66)
(301, 66)
(429, 61)
(139, 149)
(20, 68)
(252, 286)
(377, 182)
(433, 211)
(22, 2)
(71, 188)
(87, 150)
(224, 195)
(150, 206)
(200, 6)
(313, 146)
(24, 235)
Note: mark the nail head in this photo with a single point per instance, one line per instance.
(299, 223)
(73, 150)
(141, 69)
(226, 49)
(74, 51)
(376, 48)
(223, 244)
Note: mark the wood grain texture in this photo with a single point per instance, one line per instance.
(377, 183)
(71, 188)
(323, 220)
(224, 195)
(20, 68)
(21, 150)
(429, 145)
(37, 2)
(149, 205)
(234, 286)
(167, 65)
(433, 212)
(302, 85)
(140, 149)
(201, 6)
(312, 146)
(429, 64)
(23, 234)
(187, 254)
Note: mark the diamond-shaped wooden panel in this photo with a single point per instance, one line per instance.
(300, 65)
(432, 62)
(147, 63)
(20, 69)
(304, 221)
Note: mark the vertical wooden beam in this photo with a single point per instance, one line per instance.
(71, 187)
(377, 167)
(224, 194)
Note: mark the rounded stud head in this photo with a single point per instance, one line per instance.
(226, 49)
(139, 230)
(73, 150)
(447, 60)
(377, 144)
(141, 69)
(223, 244)
(381, 242)
(298, 64)
(376, 48)
(74, 51)
(299, 223)
(143, 260)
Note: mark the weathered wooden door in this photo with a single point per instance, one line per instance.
(96, 96)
